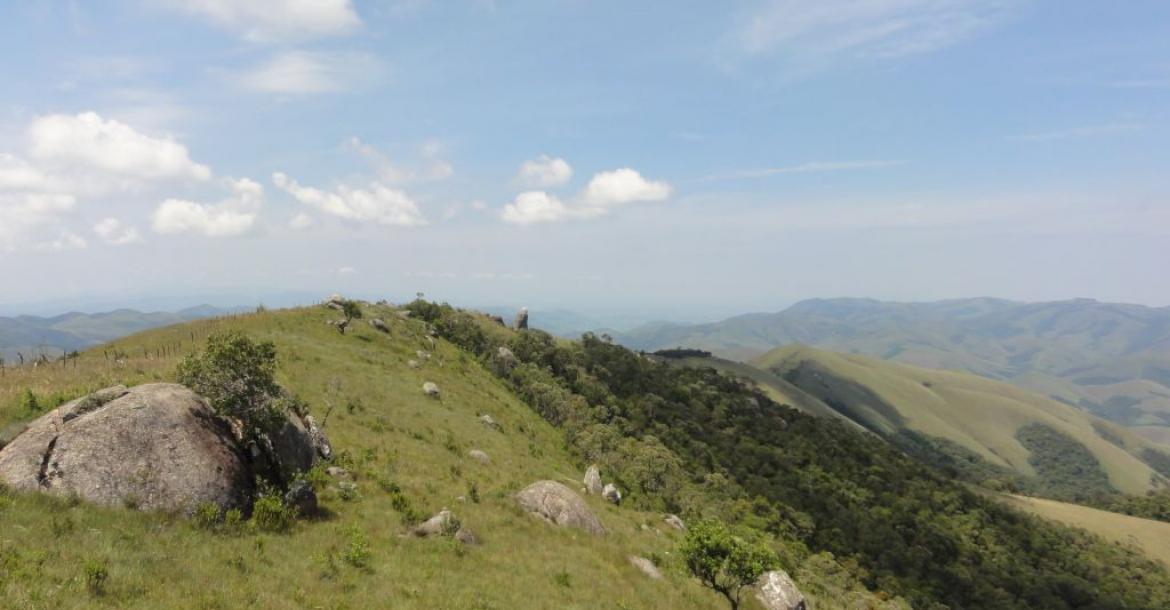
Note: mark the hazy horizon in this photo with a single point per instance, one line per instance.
(697, 162)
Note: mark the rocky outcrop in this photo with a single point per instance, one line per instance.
(503, 361)
(612, 493)
(776, 591)
(300, 495)
(155, 447)
(559, 505)
(522, 319)
(479, 456)
(431, 389)
(442, 524)
(592, 480)
(646, 566)
(675, 522)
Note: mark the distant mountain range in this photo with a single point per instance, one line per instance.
(1110, 359)
(32, 336)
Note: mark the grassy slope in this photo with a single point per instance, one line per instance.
(772, 385)
(393, 430)
(979, 414)
(1151, 537)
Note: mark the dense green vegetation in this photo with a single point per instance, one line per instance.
(705, 442)
(1154, 505)
(1065, 468)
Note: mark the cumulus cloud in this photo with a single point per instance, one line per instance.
(378, 203)
(622, 186)
(301, 221)
(231, 217)
(605, 191)
(22, 213)
(276, 20)
(543, 172)
(113, 232)
(65, 240)
(89, 142)
(305, 72)
(433, 166)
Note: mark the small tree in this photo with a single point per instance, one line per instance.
(237, 376)
(352, 311)
(724, 562)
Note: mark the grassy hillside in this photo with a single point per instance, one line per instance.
(1152, 537)
(1110, 359)
(387, 433)
(989, 418)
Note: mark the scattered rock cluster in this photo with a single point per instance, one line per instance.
(594, 486)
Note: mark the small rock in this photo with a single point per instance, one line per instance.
(593, 480)
(442, 524)
(422, 355)
(479, 456)
(646, 566)
(675, 522)
(498, 320)
(412, 364)
(431, 389)
(337, 472)
(488, 421)
(612, 493)
(776, 591)
(300, 495)
(466, 536)
(379, 325)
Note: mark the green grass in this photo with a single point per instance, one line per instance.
(403, 448)
(979, 414)
(1148, 536)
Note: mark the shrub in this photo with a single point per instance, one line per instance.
(269, 514)
(206, 516)
(723, 562)
(96, 577)
(29, 403)
(237, 376)
(357, 549)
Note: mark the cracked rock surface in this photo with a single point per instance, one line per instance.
(154, 447)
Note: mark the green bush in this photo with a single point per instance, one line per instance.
(269, 514)
(723, 562)
(357, 549)
(237, 377)
(206, 516)
(96, 577)
(29, 403)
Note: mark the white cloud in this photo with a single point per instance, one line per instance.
(378, 204)
(606, 191)
(543, 172)
(113, 232)
(66, 240)
(533, 207)
(88, 142)
(231, 217)
(867, 28)
(622, 186)
(305, 72)
(433, 166)
(22, 213)
(301, 221)
(275, 20)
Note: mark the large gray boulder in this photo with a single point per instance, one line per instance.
(522, 319)
(776, 591)
(155, 447)
(559, 505)
(612, 493)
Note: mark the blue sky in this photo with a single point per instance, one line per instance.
(686, 159)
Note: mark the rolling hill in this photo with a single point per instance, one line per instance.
(989, 418)
(1110, 359)
(32, 336)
